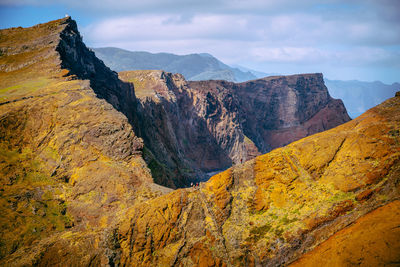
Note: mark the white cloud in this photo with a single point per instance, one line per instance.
(336, 33)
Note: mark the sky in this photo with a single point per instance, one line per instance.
(343, 39)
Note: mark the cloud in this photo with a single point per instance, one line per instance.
(170, 27)
(336, 33)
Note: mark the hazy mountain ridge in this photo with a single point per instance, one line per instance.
(193, 67)
(358, 96)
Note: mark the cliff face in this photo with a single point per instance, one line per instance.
(276, 111)
(270, 210)
(70, 162)
(186, 128)
(172, 129)
(206, 126)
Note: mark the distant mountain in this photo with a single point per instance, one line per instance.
(193, 67)
(258, 74)
(359, 96)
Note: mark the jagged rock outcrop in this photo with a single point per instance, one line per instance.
(270, 210)
(70, 162)
(205, 126)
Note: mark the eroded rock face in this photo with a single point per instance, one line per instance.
(272, 209)
(187, 129)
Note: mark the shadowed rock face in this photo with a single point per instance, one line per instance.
(197, 127)
(271, 210)
(187, 129)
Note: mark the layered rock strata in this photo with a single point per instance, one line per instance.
(76, 191)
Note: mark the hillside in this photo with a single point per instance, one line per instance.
(271, 210)
(70, 162)
(192, 67)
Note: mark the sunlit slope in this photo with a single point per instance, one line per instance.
(274, 208)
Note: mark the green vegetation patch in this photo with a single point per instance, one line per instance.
(22, 89)
(257, 233)
(31, 203)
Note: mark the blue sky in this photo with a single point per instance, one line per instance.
(345, 40)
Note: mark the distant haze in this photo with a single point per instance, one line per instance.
(345, 40)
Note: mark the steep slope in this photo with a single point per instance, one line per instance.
(192, 67)
(70, 162)
(354, 245)
(359, 96)
(272, 209)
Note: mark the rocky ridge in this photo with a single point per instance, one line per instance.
(71, 163)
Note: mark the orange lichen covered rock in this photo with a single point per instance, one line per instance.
(270, 210)
(373, 240)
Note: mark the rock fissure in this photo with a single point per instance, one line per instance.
(217, 229)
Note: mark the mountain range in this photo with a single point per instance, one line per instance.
(193, 67)
(85, 152)
(357, 96)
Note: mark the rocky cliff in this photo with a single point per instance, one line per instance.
(193, 128)
(277, 110)
(273, 209)
(188, 130)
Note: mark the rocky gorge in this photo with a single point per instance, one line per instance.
(209, 125)
(89, 158)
